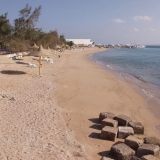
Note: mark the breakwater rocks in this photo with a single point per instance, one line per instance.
(135, 145)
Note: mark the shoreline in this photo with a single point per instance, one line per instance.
(86, 90)
(55, 115)
(147, 91)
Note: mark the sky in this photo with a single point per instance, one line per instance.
(104, 21)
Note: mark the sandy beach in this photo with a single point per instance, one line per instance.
(54, 116)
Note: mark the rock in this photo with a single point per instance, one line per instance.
(104, 115)
(109, 122)
(12, 99)
(122, 120)
(121, 151)
(106, 158)
(137, 127)
(147, 149)
(109, 133)
(152, 140)
(149, 157)
(133, 142)
(2, 96)
(124, 132)
(135, 158)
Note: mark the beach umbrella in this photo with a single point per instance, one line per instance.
(41, 52)
(34, 46)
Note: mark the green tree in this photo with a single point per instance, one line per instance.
(5, 30)
(62, 39)
(70, 43)
(50, 39)
(26, 21)
(25, 32)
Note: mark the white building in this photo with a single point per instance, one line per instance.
(85, 42)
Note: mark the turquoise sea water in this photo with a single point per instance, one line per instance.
(140, 63)
(139, 67)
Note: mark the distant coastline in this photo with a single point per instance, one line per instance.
(152, 46)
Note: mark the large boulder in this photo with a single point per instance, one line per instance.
(152, 140)
(123, 120)
(109, 122)
(121, 151)
(149, 157)
(104, 115)
(124, 132)
(137, 127)
(133, 142)
(109, 133)
(147, 149)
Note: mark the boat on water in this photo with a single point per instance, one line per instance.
(138, 46)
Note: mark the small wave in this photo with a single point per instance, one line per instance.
(148, 94)
(151, 95)
(109, 67)
(122, 77)
(99, 63)
(90, 57)
(157, 127)
(140, 79)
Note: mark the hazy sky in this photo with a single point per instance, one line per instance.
(103, 21)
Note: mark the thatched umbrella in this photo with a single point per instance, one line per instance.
(34, 47)
(41, 52)
(49, 50)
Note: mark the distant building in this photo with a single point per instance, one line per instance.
(85, 42)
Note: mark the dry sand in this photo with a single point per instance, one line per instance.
(54, 116)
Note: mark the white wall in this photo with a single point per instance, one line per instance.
(80, 41)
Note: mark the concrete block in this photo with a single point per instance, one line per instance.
(121, 151)
(133, 142)
(122, 120)
(109, 122)
(107, 158)
(124, 132)
(137, 127)
(147, 149)
(104, 115)
(135, 158)
(149, 157)
(152, 140)
(109, 133)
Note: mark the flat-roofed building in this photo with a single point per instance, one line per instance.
(85, 42)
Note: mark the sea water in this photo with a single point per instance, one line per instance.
(139, 67)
